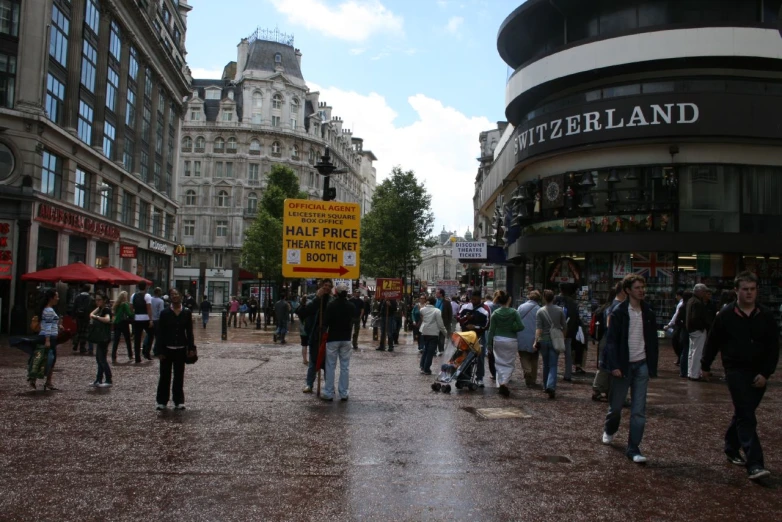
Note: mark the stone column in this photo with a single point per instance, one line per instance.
(75, 44)
(30, 79)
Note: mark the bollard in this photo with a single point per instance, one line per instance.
(224, 316)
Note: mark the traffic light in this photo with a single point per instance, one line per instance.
(193, 286)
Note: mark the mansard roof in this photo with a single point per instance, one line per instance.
(261, 58)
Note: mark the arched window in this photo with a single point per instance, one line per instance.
(231, 144)
(200, 143)
(252, 202)
(187, 144)
(219, 145)
(190, 198)
(312, 156)
(277, 101)
(222, 199)
(276, 147)
(294, 113)
(294, 105)
(255, 148)
(277, 58)
(257, 107)
(295, 152)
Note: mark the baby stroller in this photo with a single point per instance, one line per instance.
(461, 370)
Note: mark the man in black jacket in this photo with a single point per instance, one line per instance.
(569, 305)
(339, 321)
(387, 319)
(748, 338)
(314, 325)
(173, 337)
(697, 326)
(631, 357)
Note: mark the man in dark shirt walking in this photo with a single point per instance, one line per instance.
(748, 338)
(282, 311)
(339, 320)
(174, 336)
(697, 326)
(387, 318)
(358, 314)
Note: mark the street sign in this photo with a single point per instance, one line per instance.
(320, 239)
(449, 286)
(469, 250)
(389, 288)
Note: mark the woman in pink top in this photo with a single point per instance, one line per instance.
(233, 309)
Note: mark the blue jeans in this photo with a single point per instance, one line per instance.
(335, 349)
(637, 382)
(205, 318)
(430, 346)
(103, 364)
(568, 359)
(550, 362)
(387, 334)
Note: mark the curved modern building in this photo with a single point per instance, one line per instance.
(645, 136)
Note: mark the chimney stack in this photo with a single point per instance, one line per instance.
(243, 52)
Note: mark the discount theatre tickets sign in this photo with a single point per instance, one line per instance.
(321, 239)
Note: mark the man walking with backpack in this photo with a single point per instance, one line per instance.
(142, 323)
(83, 305)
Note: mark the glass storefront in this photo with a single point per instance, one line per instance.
(46, 256)
(155, 267)
(77, 249)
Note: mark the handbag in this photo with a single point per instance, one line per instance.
(556, 334)
(192, 354)
(35, 324)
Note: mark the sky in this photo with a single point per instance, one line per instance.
(418, 80)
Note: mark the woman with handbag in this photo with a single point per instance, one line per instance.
(123, 315)
(49, 326)
(100, 334)
(550, 340)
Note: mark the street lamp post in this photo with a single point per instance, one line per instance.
(326, 169)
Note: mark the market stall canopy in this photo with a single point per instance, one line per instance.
(123, 277)
(74, 273)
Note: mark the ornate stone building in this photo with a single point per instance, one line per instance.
(260, 113)
(437, 263)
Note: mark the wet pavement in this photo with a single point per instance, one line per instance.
(252, 446)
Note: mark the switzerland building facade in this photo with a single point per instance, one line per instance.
(260, 113)
(90, 105)
(644, 138)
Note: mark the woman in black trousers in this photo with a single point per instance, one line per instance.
(173, 337)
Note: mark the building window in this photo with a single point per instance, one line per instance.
(112, 82)
(106, 192)
(200, 144)
(157, 222)
(157, 181)
(85, 122)
(275, 121)
(213, 94)
(133, 65)
(709, 198)
(161, 103)
(55, 95)
(7, 79)
(228, 115)
(130, 112)
(109, 135)
(148, 82)
(115, 42)
(218, 169)
(146, 124)
(89, 58)
(252, 173)
(188, 229)
(187, 169)
(222, 229)
(222, 198)
(218, 260)
(229, 169)
(187, 261)
(255, 148)
(159, 137)
(277, 58)
(58, 38)
(169, 180)
(92, 15)
(197, 169)
(252, 202)
(231, 146)
(294, 112)
(257, 107)
(276, 148)
(168, 232)
(144, 171)
(127, 155)
(187, 144)
(166, 16)
(312, 157)
(81, 189)
(295, 152)
(127, 208)
(190, 198)
(219, 145)
(277, 101)
(9, 17)
(143, 216)
(51, 175)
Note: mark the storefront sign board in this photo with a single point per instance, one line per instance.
(347, 282)
(128, 251)
(320, 239)
(157, 246)
(389, 288)
(61, 218)
(6, 249)
(469, 250)
(622, 265)
(449, 286)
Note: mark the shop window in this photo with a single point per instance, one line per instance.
(47, 249)
(761, 208)
(709, 198)
(77, 249)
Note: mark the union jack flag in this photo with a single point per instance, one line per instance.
(653, 265)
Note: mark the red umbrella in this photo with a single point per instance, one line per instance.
(123, 277)
(74, 273)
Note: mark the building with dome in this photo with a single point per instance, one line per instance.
(438, 263)
(258, 114)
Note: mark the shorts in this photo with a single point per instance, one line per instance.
(304, 340)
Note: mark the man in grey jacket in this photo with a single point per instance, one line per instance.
(432, 328)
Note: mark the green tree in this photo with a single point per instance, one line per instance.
(396, 229)
(262, 249)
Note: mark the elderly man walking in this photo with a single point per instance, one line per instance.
(432, 328)
(339, 321)
(697, 326)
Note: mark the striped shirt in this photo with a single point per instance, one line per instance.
(635, 338)
(49, 321)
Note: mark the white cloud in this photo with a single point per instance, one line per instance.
(206, 74)
(352, 20)
(356, 51)
(454, 23)
(440, 146)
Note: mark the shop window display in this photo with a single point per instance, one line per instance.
(769, 272)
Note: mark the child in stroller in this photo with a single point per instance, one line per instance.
(461, 368)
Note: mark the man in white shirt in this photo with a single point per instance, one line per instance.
(431, 327)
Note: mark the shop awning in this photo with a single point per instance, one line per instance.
(246, 275)
(74, 273)
(122, 277)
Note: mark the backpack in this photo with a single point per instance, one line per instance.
(139, 304)
(81, 306)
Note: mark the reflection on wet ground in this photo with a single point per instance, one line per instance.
(252, 446)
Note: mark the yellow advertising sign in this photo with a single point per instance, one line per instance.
(321, 239)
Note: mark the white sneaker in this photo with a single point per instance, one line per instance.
(307, 389)
(179, 407)
(480, 383)
(608, 439)
(160, 407)
(94, 384)
(104, 385)
(639, 459)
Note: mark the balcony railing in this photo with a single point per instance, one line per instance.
(255, 152)
(231, 150)
(276, 155)
(254, 182)
(187, 149)
(219, 150)
(250, 212)
(199, 149)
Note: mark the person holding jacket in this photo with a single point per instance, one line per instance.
(528, 354)
(631, 356)
(747, 336)
(697, 326)
(339, 322)
(432, 328)
(501, 338)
